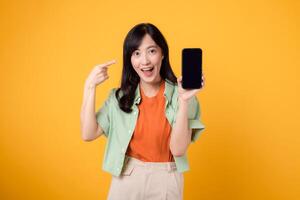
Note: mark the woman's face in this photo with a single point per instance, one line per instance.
(146, 60)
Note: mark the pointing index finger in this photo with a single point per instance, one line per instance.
(108, 63)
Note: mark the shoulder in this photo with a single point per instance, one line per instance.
(112, 95)
(113, 91)
(171, 90)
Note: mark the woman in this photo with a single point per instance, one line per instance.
(149, 121)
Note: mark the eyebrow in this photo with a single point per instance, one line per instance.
(150, 47)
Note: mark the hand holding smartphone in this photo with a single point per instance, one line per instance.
(191, 68)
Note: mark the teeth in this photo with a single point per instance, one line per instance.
(147, 69)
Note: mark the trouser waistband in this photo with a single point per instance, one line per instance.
(168, 166)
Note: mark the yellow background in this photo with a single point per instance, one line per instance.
(250, 104)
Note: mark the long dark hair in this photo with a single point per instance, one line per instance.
(130, 78)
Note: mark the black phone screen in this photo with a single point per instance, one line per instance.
(191, 68)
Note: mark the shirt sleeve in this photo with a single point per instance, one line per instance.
(194, 122)
(103, 114)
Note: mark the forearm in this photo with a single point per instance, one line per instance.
(180, 136)
(87, 115)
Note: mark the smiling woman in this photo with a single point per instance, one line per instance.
(144, 47)
(145, 151)
(147, 59)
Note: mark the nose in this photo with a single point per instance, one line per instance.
(144, 59)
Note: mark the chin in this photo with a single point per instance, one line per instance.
(149, 80)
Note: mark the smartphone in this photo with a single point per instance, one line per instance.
(191, 68)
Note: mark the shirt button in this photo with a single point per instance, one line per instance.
(123, 150)
(129, 131)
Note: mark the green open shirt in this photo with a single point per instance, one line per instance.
(118, 126)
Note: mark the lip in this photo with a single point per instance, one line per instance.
(147, 68)
(148, 73)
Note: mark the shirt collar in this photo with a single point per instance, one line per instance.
(169, 89)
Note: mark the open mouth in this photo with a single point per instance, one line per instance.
(148, 69)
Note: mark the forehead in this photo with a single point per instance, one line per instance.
(147, 42)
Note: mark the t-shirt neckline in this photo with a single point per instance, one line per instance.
(161, 87)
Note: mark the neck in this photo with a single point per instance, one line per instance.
(151, 90)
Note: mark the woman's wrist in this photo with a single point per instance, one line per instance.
(182, 103)
(89, 85)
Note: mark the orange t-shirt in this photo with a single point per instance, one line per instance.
(151, 137)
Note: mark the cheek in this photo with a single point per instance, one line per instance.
(134, 65)
(158, 62)
(158, 58)
(134, 62)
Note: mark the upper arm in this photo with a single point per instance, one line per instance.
(99, 131)
(103, 116)
(190, 131)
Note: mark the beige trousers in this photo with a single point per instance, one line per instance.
(147, 181)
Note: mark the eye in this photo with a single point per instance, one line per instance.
(152, 51)
(136, 53)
